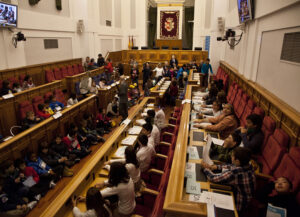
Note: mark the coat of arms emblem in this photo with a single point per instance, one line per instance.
(169, 24)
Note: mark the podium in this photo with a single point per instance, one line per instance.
(169, 43)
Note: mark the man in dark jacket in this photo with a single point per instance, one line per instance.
(100, 60)
(146, 74)
(123, 104)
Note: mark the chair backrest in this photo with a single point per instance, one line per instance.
(64, 71)
(49, 75)
(57, 74)
(13, 80)
(282, 138)
(234, 94)
(75, 69)
(242, 105)
(60, 97)
(248, 110)
(288, 169)
(24, 107)
(268, 128)
(36, 101)
(47, 96)
(295, 155)
(70, 70)
(259, 111)
(237, 99)
(230, 91)
(1, 84)
(80, 68)
(21, 78)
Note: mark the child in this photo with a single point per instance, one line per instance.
(72, 100)
(73, 145)
(28, 83)
(5, 88)
(16, 88)
(42, 113)
(92, 136)
(54, 161)
(102, 120)
(54, 104)
(239, 175)
(223, 153)
(155, 133)
(283, 198)
(144, 153)
(102, 83)
(30, 120)
(112, 108)
(94, 88)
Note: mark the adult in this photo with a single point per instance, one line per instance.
(144, 153)
(159, 71)
(146, 73)
(205, 70)
(100, 60)
(86, 63)
(85, 84)
(123, 97)
(183, 71)
(252, 136)
(173, 60)
(224, 124)
(134, 72)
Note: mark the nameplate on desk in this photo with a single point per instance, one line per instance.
(57, 115)
(7, 96)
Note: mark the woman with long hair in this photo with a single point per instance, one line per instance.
(95, 205)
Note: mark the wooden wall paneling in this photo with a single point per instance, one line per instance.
(132, 54)
(37, 137)
(291, 128)
(21, 147)
(256, 97)
(8, 115)
(264, 104)
(52, 129)
(275, 113)
(64, 124)
(153, 56)
(5, 154)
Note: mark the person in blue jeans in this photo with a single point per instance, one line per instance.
(205, 70)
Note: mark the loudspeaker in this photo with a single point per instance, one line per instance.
(80, 26)
(164, 47)
(155, 48)
(198, 48)
(144, 48)
(135, 48)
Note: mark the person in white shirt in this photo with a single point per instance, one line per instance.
(85, 84)
(72, 100)
(112, 108)
(159, 118)
(95, 205)
(131, 164)
(119, 183)
(155, 133)
(159, 72)
(215, 111)
(145, 151)
(94, 88)
(102, 83)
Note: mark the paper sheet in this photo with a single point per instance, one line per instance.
(120, 151)
(274, 211)
(57, 115)
(140, 122)
(193, 153)
(206, 158)
(136, 130)
(193, 187)
(129, 140)
(219, 142)
(7, 96)
(126, 121)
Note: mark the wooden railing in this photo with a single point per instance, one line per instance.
(285, 116)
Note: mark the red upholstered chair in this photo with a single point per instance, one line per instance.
(64, 71)
(298, 197)
(159, 203)
(57, 74)
(288, 169)
(238, 99)
(36, 101)
(12, 80)
(267, 128)
(294, 154)
(273, 151)
(21, 78)
(225, 82)
(60, 96)
(159, 162)
(248, 110)
(24, 107)
(49, 76)
(233, 95)
(70, 70)
(259, 111)
(230, 91)
(47, 96)
(242, 105)
(75, 69)
(80, 68)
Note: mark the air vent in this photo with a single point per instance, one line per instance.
(50, 43)
(291, 47)
(108, 22)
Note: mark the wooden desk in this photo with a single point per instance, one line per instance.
(176, 200)
(89, 175)
(192, 80)
(158, 92)
(169, 43)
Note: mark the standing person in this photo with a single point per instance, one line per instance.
(86, 63)
(109, 67)
(120, 69)
(205, 70)
(200, 66)
(146, 74)
(134, 74)
(95, 205)
(123, 104)
(173, 60)
(100, 60)
(159, 72)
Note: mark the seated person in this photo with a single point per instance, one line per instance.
(112, 108)
(16, 88)
(85, 84)
(54, 104)
(94, 88)
(54, 161)
(239, 175)
(132, 166)
(27, 83)
(221, 97)
(283, 198)
(148, 86)
(72, 100)
(61, 149)
(13, 206)
(160, 118)
(155, 133)
(92, 65)
(252, 136)
(183, 71)
(95, 205)
(73, 145)
(30, 120)
(5, 88)
(225, 123)
(120, 184)
(42, 112)
(92, 136)
(102, 83)
(144, 153)
(102, 120)
(43, 170)
(173, 92)
(215, 111)
(223, 153)
(91, 124)
(212, 95)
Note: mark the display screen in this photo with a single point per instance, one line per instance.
(8, 15)
(244, 9)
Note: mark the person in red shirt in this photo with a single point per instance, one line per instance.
(173, 92)
(103, 121)
(109, 69)
(42, 113)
